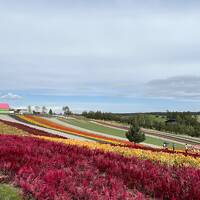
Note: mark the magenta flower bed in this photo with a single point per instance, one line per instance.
(53, 171)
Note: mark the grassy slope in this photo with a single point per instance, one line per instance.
(96, 127)
(8, 192)
(120, 133)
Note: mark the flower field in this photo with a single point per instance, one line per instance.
(55, 171)
(48, 124)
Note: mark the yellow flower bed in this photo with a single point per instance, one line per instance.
(162, 157)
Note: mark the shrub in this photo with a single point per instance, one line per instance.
(135, 135)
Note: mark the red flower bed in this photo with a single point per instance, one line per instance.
(30, 130)
(54, 171)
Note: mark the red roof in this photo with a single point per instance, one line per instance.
(4, 106)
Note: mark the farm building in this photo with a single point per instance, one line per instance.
(21, 111)
(4, 108)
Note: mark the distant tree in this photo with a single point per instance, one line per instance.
(37, 108)
(135, 135)
(84, 113)
(66, 110)
(29, 109)
(44, 109)
(50, 112)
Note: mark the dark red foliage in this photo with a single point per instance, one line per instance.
(29, 129)
(55, 171)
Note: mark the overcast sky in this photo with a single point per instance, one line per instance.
(110, 55)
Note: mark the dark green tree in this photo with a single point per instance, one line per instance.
(66, 110)
(135, 134)
(50, 112)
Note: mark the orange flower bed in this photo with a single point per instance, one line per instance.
(48, 124)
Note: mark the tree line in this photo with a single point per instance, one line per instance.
(37, 110)
(101, 115)
(174, 122)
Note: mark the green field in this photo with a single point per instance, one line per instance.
(8, 192)
(4, 112)
(95, 127)
(159, 142)
(111, 131)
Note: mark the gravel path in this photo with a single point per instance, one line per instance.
(8, 118)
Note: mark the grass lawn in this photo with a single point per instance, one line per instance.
(8, 192)
(159, 142)
(111, 131)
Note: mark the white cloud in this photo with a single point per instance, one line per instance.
(96, 50)
(179, 87)
(11, 96)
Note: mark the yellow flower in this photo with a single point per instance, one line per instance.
(162, 157)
